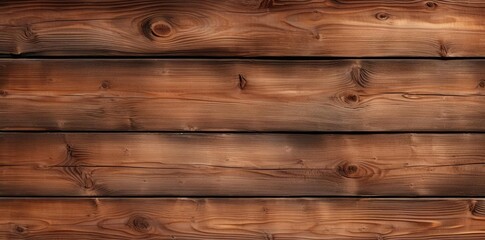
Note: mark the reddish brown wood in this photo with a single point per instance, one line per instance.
(189, 218)
(439, 28)
(242, 95)
(122, 164)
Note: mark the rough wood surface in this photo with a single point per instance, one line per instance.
(240, 95)
(446, 28)
(266, 219)
(81, 164)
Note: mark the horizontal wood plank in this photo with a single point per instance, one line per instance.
(79, 164)
(305, 218)
(242, 95)
(439, 28)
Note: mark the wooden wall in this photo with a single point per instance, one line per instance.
(242, 119)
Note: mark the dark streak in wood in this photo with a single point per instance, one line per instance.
(242, 82)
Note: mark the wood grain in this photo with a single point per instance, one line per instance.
(268, 219)
(219, 95)
(439, 28)
(81, 164)
(242, 95)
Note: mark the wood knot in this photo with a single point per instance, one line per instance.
(20, 229)
(106, 85)
(28, 35)
(472, 206)
(431, 5)
(3, 93)
(382, 16)
(88, 182)
(242, 82)
(481, 84)
(139, 224)
(351, 98)
(444, 50)
(161, 29)
(154, 28)
(348, 170)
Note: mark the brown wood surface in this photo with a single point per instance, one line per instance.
(119, 164)
(242, 95)
(440, 28)
(266, 219)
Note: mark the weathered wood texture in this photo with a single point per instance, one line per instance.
(241, 164)
(307, 218)
(190, 95)
(446, 28)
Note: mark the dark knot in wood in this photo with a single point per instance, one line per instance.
(139, 224)
(348, 99)
(348, 170)
(351, 98)
(106, 85)
(431, 5)
(20, 229)
(154, 28)
(481, 84)
(3, 93)
(382, 16)
(28, 35)
(444, 50)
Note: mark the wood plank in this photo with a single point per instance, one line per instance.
(242, 95)
(304, 218)
(439, 28)
(115, 164)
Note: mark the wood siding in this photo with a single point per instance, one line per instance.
(242, 119)
(241, 164)
(187, 218)
(243, 95)
(441, 28)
